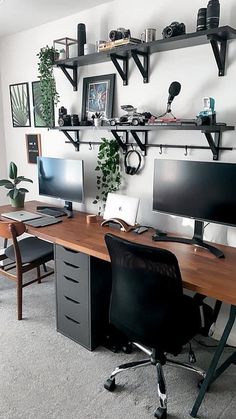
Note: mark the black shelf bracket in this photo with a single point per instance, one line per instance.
(74, 79)
(141, 145)
(121, 143)
(213, 143)
(219, 49)
(143, 67)
(123, 72)
(76, 143)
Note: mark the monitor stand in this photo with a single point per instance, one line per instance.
(196, 240)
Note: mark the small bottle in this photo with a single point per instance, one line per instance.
(213, 14)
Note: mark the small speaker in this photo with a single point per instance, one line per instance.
(81, 35)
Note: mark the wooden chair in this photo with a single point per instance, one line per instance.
(25, 255)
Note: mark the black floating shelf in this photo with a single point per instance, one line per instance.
(213, 134)
(217, 37)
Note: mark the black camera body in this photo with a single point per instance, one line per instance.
(119, 33)
(64, 121)
(174, 29)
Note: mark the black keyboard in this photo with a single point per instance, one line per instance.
(43, 221)
(52, 212)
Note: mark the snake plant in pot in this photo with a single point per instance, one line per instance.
(16, 195)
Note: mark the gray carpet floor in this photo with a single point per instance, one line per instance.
(46, 375)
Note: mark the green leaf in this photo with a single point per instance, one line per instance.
(15, 193)
(23, 179)
(12, 170)
(23, 190)
(7, 183)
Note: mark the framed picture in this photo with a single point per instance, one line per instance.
(39, 122)
(33, 147)
(20, 108)
(98, 93)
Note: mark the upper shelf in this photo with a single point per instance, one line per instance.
(217, 37)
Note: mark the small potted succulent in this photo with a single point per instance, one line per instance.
(16, 195)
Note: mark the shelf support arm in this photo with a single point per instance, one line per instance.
(219, 49)
(121, 143)
(123, 72)
(75, 143)
(141, 145)
(214, 145)
(143, 67)
(73, 80)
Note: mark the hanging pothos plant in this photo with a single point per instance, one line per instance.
(50, 97)
(108, 166)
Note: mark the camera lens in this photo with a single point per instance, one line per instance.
(213, 14)
(201, 19)
(112, 35)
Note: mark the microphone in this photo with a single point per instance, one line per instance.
(174, 90)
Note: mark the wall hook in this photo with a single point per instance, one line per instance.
(160, 152)
(90, 146)
(186, 150)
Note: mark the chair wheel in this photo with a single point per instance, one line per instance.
(110, 384)
(160, 413)
(127, 348)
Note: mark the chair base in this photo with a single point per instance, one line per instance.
(158, 362)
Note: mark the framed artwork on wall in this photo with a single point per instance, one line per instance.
(20, 107)
(33, 147)
(98, 94)
(39, 121)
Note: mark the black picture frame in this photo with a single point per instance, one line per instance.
(20, 106)
(39, 121)
(98, 96)
(33, 147)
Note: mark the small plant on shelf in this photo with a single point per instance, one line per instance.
(108, 166)
(50, 97)
(16, 195)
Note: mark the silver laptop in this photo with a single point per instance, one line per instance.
(21, 215)
(121, 206)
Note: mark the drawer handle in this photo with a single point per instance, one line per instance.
(72, 320)
(71, 299)
(71, 279)
(71, 265)
(69, 250)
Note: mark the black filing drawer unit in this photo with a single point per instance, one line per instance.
(83, 286)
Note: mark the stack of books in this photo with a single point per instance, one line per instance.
(119, 42)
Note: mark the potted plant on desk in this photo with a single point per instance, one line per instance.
(16, 195)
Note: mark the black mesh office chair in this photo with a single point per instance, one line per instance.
(149, 307)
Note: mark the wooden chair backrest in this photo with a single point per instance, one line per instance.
(10, 230)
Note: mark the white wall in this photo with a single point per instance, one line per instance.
(2, 150)
(195, 68)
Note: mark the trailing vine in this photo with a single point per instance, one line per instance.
(108, 166)
(50, 97)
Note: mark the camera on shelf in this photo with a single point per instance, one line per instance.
(174, 29)
(208, 115)
(119, 33)
(65, 120)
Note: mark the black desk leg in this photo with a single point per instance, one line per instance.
(213, 373)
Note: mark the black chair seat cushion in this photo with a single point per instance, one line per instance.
(31, 249)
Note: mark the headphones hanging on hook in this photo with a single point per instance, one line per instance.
(132, 170)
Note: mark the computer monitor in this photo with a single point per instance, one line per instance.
(61, 178)
(204, 191)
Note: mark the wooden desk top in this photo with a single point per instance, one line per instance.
(201, 271)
